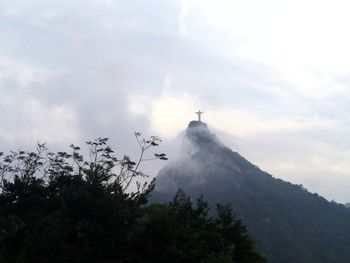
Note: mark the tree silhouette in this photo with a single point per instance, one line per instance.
(67, 207)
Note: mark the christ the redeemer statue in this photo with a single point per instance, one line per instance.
(199, 113)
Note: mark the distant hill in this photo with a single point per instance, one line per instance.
(290, 224)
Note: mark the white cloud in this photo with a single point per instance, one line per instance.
(168, 114)
(31, 121)
(303, 41)
(185, 6)
(245, 124)
(25, 119)
(276, 70)
(51, 124)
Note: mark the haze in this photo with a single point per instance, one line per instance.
(273, 76)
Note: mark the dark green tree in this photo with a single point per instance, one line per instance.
(60, 207)
(64, 207)
(183, 232)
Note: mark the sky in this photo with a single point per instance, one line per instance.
(271, 76)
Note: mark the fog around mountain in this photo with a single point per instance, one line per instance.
(289, 223)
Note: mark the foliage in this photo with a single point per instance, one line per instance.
(182, 232)
(64, 207)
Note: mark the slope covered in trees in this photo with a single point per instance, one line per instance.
(60, 207)
(290, 223)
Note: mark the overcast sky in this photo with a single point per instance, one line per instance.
(272, 75)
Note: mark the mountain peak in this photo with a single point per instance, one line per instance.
(199, 133)
(274, 210)
(196, 124)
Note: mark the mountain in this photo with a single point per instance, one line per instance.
(289, 223)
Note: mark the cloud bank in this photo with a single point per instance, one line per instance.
(274, 75)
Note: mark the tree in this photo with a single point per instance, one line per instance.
(60, 206)
(184, 232)
(64, 207)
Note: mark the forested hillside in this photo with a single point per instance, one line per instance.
(290, 223)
